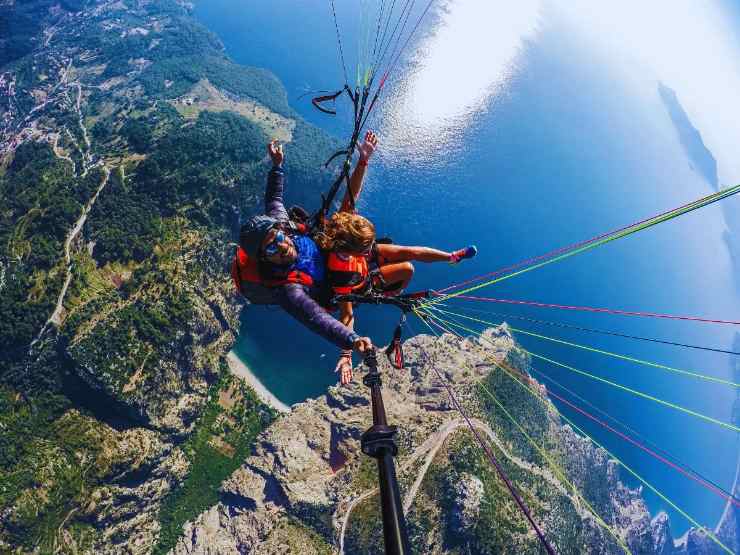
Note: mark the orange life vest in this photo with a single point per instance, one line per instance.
(348, 273)
(257, 288)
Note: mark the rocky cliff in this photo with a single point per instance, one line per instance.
(130, 147)
(307, 488)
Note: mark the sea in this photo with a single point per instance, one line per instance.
(522, 129)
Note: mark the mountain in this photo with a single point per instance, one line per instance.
(130, 148)
(308, 488)
(704, 163)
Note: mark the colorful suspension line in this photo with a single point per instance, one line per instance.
(623, 465)
(602, 240)
(635, 392)
(598, 351)
(377, 31)
(505, 317)
(395, 59)
(698, 479)
(396, 55)
(634, 432)
(595, 309)
(384, 45)
(680, 467)
(560, 473)
(565, 249)
(499, 469)
(363, 103)
(707, 485)
(549, 404)
(559, 250)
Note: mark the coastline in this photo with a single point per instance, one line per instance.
(238, 368)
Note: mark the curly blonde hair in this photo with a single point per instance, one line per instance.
(348, 232)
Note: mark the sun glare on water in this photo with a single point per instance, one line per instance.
(463, 62)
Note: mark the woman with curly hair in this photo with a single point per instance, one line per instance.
(358, 263)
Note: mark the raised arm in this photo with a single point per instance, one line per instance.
(357, 178)
(274, 206)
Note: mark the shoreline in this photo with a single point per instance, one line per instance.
(238, 368)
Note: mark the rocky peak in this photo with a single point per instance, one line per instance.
(308, 484)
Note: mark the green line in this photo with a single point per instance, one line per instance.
(626, 467)
(556, 468)
(618, 235)
(549, 404)
(608, 382)
(600, 351)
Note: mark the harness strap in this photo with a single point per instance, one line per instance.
(394, 351)
(319, 100)
(359, 99)
(337, 154)
(236, 263)
(374, 273)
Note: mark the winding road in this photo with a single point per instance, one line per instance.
(430, 448)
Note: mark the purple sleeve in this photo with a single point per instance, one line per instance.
(297, 302)
(274, 206)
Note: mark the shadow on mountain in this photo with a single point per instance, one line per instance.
(104, 408)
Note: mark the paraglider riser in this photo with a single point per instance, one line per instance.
(379, 442)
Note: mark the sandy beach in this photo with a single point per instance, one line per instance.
(240, 369)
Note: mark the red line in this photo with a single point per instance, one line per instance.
(603, 310)
(560, 250)
(697, 479)
(648, 450)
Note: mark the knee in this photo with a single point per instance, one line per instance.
(407, 268)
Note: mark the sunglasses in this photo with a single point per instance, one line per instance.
(273, 247)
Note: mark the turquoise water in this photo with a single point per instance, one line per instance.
(568, 149)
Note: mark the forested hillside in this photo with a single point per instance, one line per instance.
(131, 148)
(121, 190)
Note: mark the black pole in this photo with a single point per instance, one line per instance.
(379, 442)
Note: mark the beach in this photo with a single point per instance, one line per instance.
(238, 368)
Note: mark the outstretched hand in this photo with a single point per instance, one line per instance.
(344, 368)
(367, 148)
(275, 150)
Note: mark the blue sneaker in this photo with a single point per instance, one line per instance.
(462, 254)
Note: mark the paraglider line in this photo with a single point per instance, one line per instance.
(571, 250)
(486, 449)
(339, 42)
(599, 351)
(616, 385)
(613, 311)
(593, 330)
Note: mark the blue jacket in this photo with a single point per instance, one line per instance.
(294, 298)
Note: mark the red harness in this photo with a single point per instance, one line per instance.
(246, 275)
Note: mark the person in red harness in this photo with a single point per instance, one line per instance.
(277, 262)
(357, 263)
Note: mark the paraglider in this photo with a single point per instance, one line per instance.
(303, 268)
(277, 262)
(359, 267)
